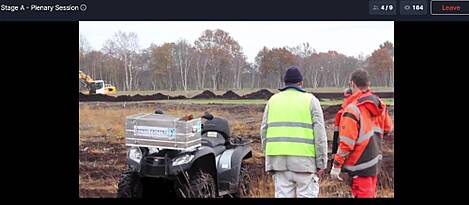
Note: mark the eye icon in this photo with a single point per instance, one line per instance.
(407, 7)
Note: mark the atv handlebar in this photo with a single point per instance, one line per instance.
(207, 116)
(160, 112)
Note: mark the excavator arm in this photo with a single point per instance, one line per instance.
(96, 86)
(85, 78)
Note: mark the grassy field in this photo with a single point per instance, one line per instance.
(191, 93)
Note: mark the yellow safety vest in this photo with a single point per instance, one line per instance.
(290, 125)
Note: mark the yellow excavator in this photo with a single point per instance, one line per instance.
(96, 86)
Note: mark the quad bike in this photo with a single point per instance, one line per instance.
(214, 169)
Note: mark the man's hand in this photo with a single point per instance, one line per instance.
(319, 172)
(335, 174)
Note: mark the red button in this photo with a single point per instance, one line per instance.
(450, 8)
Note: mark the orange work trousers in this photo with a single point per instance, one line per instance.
(364, 187)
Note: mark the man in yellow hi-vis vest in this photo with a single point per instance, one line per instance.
(294, 139)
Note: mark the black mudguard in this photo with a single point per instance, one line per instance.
(228, 176)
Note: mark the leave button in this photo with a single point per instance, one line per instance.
(450, 8)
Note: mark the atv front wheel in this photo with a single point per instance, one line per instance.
(244, 183)
(129, 185)
(198, 185)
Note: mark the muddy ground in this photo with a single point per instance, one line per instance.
(103, 153)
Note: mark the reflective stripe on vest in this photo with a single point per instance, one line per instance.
(290, 139)
(289, 124)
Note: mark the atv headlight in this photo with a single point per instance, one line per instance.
(135, 154)
(183, 159)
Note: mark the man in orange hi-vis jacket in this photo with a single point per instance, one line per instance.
(363, 123)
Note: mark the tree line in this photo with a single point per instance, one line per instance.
(216, 61)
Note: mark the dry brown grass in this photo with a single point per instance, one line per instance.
(103, 153)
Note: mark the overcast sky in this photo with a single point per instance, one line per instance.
(348, 37)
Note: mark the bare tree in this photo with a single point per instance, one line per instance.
(200, 69)
(220, 48)
(124, 46)
(183, 53)
(381, 65)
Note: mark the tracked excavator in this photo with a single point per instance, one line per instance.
(96, 86)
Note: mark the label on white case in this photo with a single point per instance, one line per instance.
(148, 131)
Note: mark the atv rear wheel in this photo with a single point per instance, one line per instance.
(198, 185)
(129, 185)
